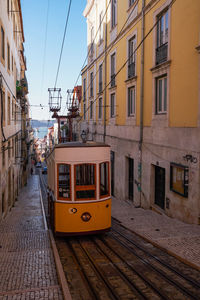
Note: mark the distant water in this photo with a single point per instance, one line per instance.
(40, 132)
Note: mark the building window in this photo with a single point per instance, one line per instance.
(112, 105)
(131, 101)
(85, 181)
(162, 38)
(91, 110)
(12, 63)
(179, 179)
(131, 2)
(131, 57)
(100, 78)
(8, 6)
(84, 111)
(8, 56)
(63, 181)
(9, 110)
(92, 42)
(100, 108)
(2, 43)
(84, 89)
(13, 147)
(4, 108)
(161, 95)
(9, 147)
(112, 58)
(104, 179)
(91, 85)
(101, 27)
(113, 13)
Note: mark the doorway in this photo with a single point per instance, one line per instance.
(130, 178)
(160, 187)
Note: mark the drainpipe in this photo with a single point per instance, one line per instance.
(141, 103)
(105, 79)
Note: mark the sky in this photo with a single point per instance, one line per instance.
(44, 24)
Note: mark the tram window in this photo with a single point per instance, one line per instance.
(63, 181)
(104, 179)
(85, 186)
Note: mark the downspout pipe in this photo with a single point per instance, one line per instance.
(105, 80)
(141, 101)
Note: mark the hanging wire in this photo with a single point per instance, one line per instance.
(63, 43)
(114, 42)
(124, 64)
(90, 48)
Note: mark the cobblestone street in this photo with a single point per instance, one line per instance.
(27, 266)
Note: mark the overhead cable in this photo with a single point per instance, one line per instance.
(66, 23)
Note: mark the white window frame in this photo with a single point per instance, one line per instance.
(113, 67)
(84, 89)
(101, 77)
(131, 108)
(162, 16)
(113, 13)
(91, 84)
(112, 105)
(100, 110)
(161, 87)
(91, 109)
(156, 14)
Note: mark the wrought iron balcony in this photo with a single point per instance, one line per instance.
(131, 70)
(161, 54)
(112, 83)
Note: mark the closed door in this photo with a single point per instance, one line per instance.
(160, 186)
(130, 178)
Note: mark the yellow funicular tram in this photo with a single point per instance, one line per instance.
(79, 188)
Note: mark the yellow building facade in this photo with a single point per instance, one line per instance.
(141, 95)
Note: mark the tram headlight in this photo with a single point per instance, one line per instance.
(86, 216)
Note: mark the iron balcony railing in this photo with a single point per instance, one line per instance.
(112, 83)
(161, 54)
(131, 70)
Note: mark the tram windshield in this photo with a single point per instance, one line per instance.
(85, 185)
(63, 181)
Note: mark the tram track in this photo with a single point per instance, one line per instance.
(162, 261)
(121, 265)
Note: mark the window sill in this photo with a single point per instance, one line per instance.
(100, 93)
(133, 5)
(165, 64)
(113, 87)
(130, 79)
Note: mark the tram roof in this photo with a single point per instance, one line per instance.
(80, 144)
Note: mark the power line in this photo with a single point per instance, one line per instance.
(121, 68)
(63, 42)
(90, 47)
(113, 42)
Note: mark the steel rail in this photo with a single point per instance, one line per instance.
(188, 279)
(161, 273)
(130, 283)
